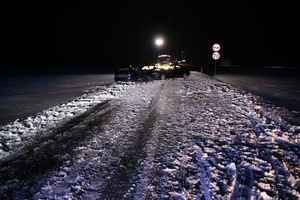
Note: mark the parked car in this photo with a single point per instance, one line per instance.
(169, 67)
(176, 71)
(151, 72)
(129, 73)
(161, 72)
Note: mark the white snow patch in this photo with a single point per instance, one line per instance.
(21, 133)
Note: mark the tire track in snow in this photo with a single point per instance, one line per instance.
(204, 175)
(170, 169)
(227, 128)
(99, 161)
(249, 169)
(127, 172)
(46, 155)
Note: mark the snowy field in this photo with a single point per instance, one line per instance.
(197, 138)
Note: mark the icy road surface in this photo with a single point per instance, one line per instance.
(175, 139)
(281, 89)
(21, 96)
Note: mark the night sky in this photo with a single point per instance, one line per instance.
(57, 33)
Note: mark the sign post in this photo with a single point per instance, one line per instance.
(216, 55)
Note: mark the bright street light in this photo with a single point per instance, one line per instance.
(159, 42)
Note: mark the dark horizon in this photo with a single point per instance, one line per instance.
(81, 33)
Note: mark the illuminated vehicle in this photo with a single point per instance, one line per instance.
(169, 68)
(126, 74)
(151, 72)
(161, 72)
(165, 60)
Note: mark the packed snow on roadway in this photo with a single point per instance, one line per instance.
(194, 138)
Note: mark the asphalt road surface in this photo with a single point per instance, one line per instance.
(280, 86)
(21, 96)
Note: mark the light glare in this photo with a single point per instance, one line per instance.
(159, 42)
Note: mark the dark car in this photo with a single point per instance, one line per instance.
(175, 71)
(129, 73)
(169, 68)
(161, 72)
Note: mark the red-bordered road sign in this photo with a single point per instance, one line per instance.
(216, 55)
(216, 47)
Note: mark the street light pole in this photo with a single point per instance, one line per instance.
(159, 50)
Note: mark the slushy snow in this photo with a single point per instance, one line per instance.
(194, 138)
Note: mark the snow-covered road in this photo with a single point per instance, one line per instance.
(174, 139)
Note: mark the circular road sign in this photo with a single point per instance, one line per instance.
(216, 55)
(216, 47)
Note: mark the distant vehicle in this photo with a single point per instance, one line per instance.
(167, 67)
(129, 73)
(158, 72)
(165, 60)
